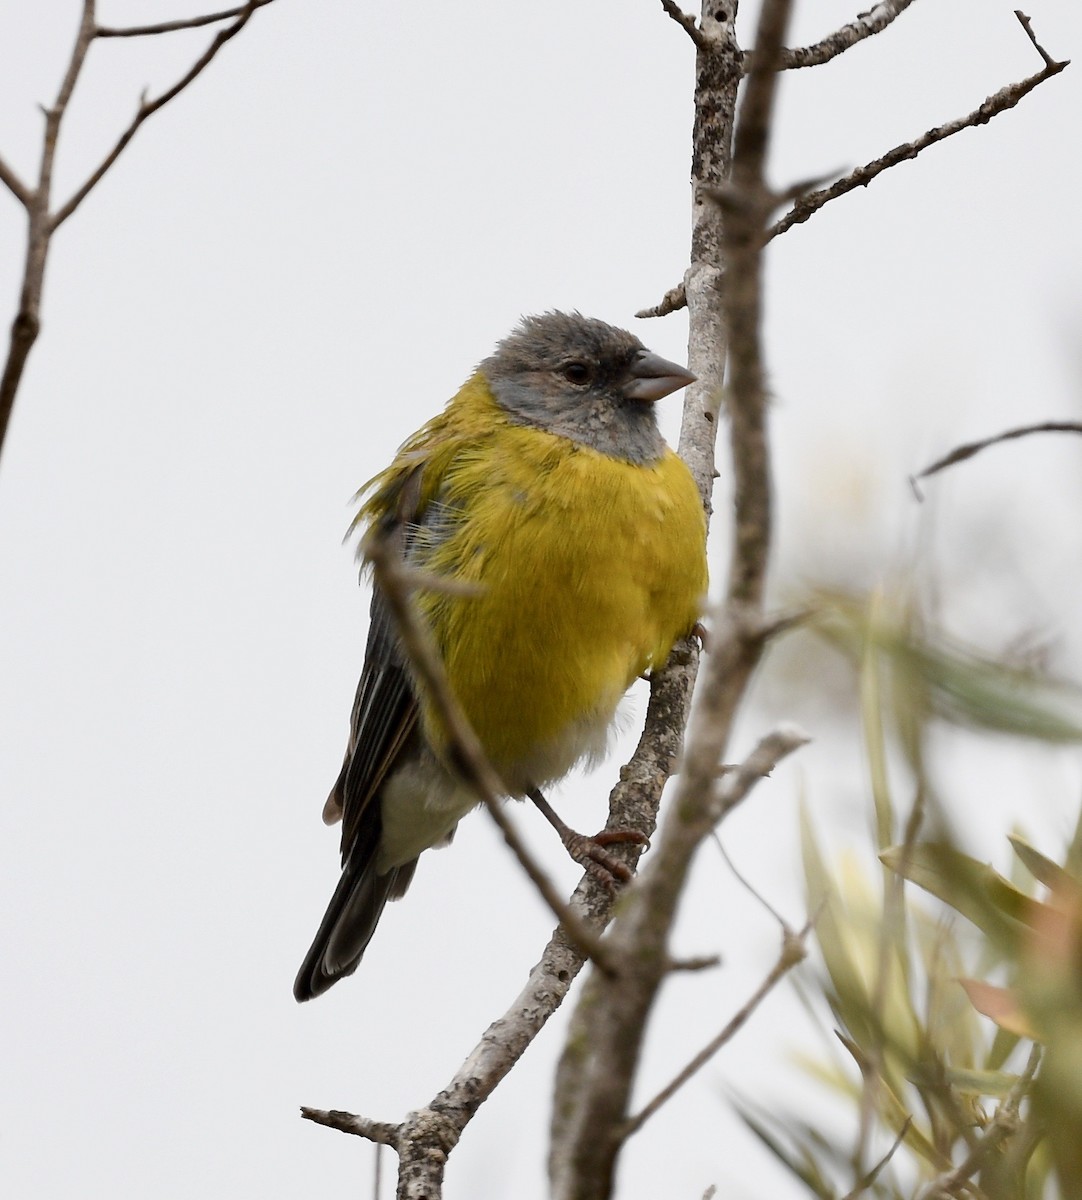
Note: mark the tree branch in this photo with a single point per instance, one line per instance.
(969, 449)
(383, 1133)
(686, 21)
(108, 31)
(867, 24)
(599, 1063)
(147, 108)
(811, 202)
(27, 322)
(673, 300)
(736, 783)
(37, 201)
(14, 184)
(793, 951)
(1006, 98)
(426, 1138)
(866, 1181)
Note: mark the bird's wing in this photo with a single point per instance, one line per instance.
(385, 708)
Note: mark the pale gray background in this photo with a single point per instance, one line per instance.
(290, 269)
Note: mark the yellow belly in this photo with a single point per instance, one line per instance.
(589, 569)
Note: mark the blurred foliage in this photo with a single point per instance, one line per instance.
(958, 1050)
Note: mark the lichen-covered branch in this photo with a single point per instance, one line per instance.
(599, 1064)
(875, 20)
(686, 21)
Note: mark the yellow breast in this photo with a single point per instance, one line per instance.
(588, 570)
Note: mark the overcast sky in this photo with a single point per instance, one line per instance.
(293, 266)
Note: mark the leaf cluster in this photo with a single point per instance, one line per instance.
(954, 992)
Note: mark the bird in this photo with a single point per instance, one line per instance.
(575, 539)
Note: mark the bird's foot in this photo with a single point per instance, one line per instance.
(589, 852)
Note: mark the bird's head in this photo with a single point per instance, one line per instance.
(585, 380)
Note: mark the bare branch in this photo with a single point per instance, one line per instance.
(739, 781)
(1027, 25)
(874, 21)
(14, 184)
(109, 31)
(75, 65)
(383, 1133)
(673, 300)
(27, 322)
(148, 108)
(37, 201)
(687, 21)
(704, 962)
(866, 1182)
(1006, 98)
(793, 951)
(969, 449)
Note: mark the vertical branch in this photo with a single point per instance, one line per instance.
(723, 287)
(717, 74)
(27, 323)
(749, 207)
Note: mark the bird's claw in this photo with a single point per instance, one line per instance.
(591, 855)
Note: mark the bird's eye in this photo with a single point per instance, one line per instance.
(577, 373)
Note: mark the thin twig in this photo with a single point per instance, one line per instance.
(1027, 25)
(793, 951)
(866, 1182)
(746, 883)
(14, 184)
(383, 1133)
(811, 202)
(467, 751)
(867, 24)
(738, 781)
(704, 962)
(673, 300)
(27, 323)
(147, 108)
(116, 31)
(1006, 98)
(969, 449)
(687, 21)
(37, 201)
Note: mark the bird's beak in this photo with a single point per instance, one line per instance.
(650, 377)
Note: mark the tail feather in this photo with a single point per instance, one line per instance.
(348, 924)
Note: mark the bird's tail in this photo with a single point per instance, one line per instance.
(349, 922)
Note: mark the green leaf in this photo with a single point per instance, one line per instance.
(1042, 868)
(941, 677)
(970, 887)
(980, 1083)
